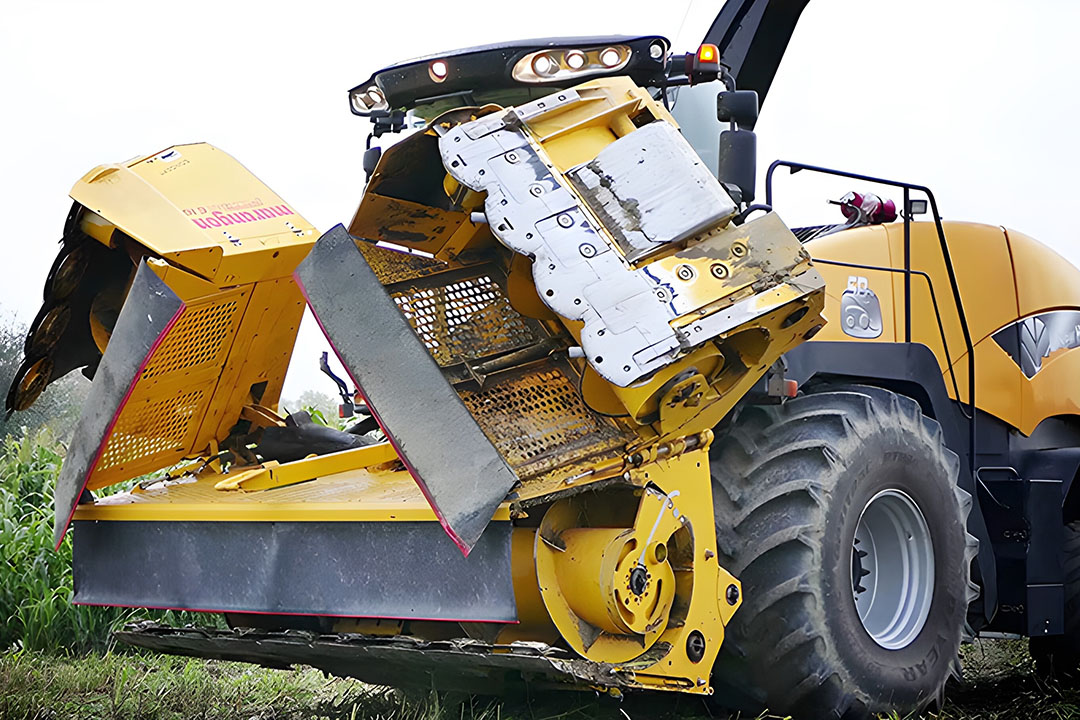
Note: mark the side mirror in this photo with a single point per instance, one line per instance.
(738, 162)
(739, 107)
(371, 160)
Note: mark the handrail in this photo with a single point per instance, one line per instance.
(795, 167)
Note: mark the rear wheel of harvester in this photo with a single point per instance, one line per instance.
(839, 512)
(1059, 656)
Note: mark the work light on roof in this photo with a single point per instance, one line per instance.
(543, 64)
(610, 57)
(438, 69)
(557, 64)
(367, 100)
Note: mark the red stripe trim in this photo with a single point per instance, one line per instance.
(116, 416)
(462, 546)
(294, 614)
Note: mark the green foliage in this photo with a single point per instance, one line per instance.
(319, 418)
(35, 686)
(36, 611)
(160, 686)
(317, 403)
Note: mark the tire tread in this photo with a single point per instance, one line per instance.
(774, 471)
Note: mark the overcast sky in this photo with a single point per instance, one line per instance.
(977, 99)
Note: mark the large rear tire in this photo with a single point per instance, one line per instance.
(839, 511)
(1059, 656)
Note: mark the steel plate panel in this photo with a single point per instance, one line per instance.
(353, 569)
(149, 311)
(459, 470)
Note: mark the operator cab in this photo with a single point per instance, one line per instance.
(508, 73)
(517, 72)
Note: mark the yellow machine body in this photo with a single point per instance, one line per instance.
(600, 566)
(1005, 278)
(607, 540)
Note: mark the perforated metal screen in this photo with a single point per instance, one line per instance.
(470, 318)
(535, 418)
(151, 428)
(197, 338)
(393, 267)
(158, 424)
(533, 414)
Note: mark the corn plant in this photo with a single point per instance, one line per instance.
(36, 609)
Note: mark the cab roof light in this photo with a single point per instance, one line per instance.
(704, 65)
(610, 57)
(367, 100)
(543, 65)
(565, 64)
(438, 69)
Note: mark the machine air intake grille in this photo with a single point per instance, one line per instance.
(151, 429)
(198, 337)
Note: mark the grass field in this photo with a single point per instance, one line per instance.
(57, 660)
(36, 686)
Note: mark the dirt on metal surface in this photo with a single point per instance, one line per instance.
(999, 684)
(404, 661)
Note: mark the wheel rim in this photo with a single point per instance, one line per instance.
(892, 569)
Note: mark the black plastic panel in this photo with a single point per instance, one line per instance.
(353, 569)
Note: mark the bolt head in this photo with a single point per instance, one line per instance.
(585, 249)
(732, 594)
(565, 220)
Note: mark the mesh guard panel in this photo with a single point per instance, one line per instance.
(532, 414)
(198, 338)
(535, 418)
(159, 423)
(392, 266)
(470, 318)
(154, 428)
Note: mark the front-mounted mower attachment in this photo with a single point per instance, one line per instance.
(546, 307)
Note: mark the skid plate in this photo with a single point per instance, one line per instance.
(399, 661)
